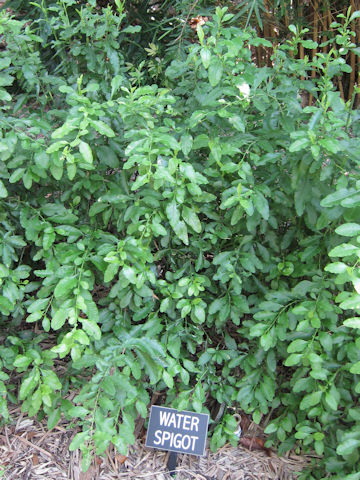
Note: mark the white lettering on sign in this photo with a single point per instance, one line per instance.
(179, 420)
(177, 440)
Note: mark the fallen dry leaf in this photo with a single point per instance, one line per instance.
(89, 474)
(121, 458)
(199, 20)
(245, 422)
(254, 443)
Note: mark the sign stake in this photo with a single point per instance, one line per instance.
(172, 463)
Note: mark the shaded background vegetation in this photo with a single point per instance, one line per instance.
(167, 25)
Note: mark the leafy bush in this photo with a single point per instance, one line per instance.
(176, 236)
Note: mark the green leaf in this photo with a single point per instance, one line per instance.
(313, 122)
(110, 272)
(331, 401)
(34, 317)
(271, 428)
(353, 302)
(348, 446)
(200, 33)
(130, 274)
(107, 156)
(169, 141)
(3, 191)
(215, 71)
(343, 250)
(348, 229)
(4, 272)
(191, 219)
(216, 305)
(330, 144)
(175, 69)
(238, 123)
(293, 359)
(5, 62)
(181, 232)
(131, 29)
(86, 152)
(57, 172)
(334, 199)
(222, 257)
(309, 44)
(58, 319)
(53, 418)
(108, 386)
(199, 313)
(319, 447)
(258, 329)
(172, 212)
(266, 341)
(56, 146)
(38, 305)
(300, 199)
(37, 398)
(353, 322)
(81, 337)
(261, 205)
(168, 379)
(355, 15)
(165, 304)
(79, 440)
(205, 55)
(120, 444)
(116, 83)
(141, 408)
(48, 240)
(351, 201)
(91, 328)
(65, 286)
(102, 128)
(101, 441)
(63, 131)
(126, 430)
(4, 95)
(336, 267)
(158, 229)
(140, 181)
(50, 378)
(16, 175)
(355, 368)
(310, 400)
(22, 361)
(186, 142)
(97, 207)
(297, 345)
(299, 144)
(29, 383)
(6, 80)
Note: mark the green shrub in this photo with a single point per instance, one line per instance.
(176, 236)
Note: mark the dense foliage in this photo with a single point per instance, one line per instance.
(189, 229)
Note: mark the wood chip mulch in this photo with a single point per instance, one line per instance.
(29, 452)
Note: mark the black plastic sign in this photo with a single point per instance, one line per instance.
(182, 432)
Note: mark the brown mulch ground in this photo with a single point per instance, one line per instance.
(29, 452)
